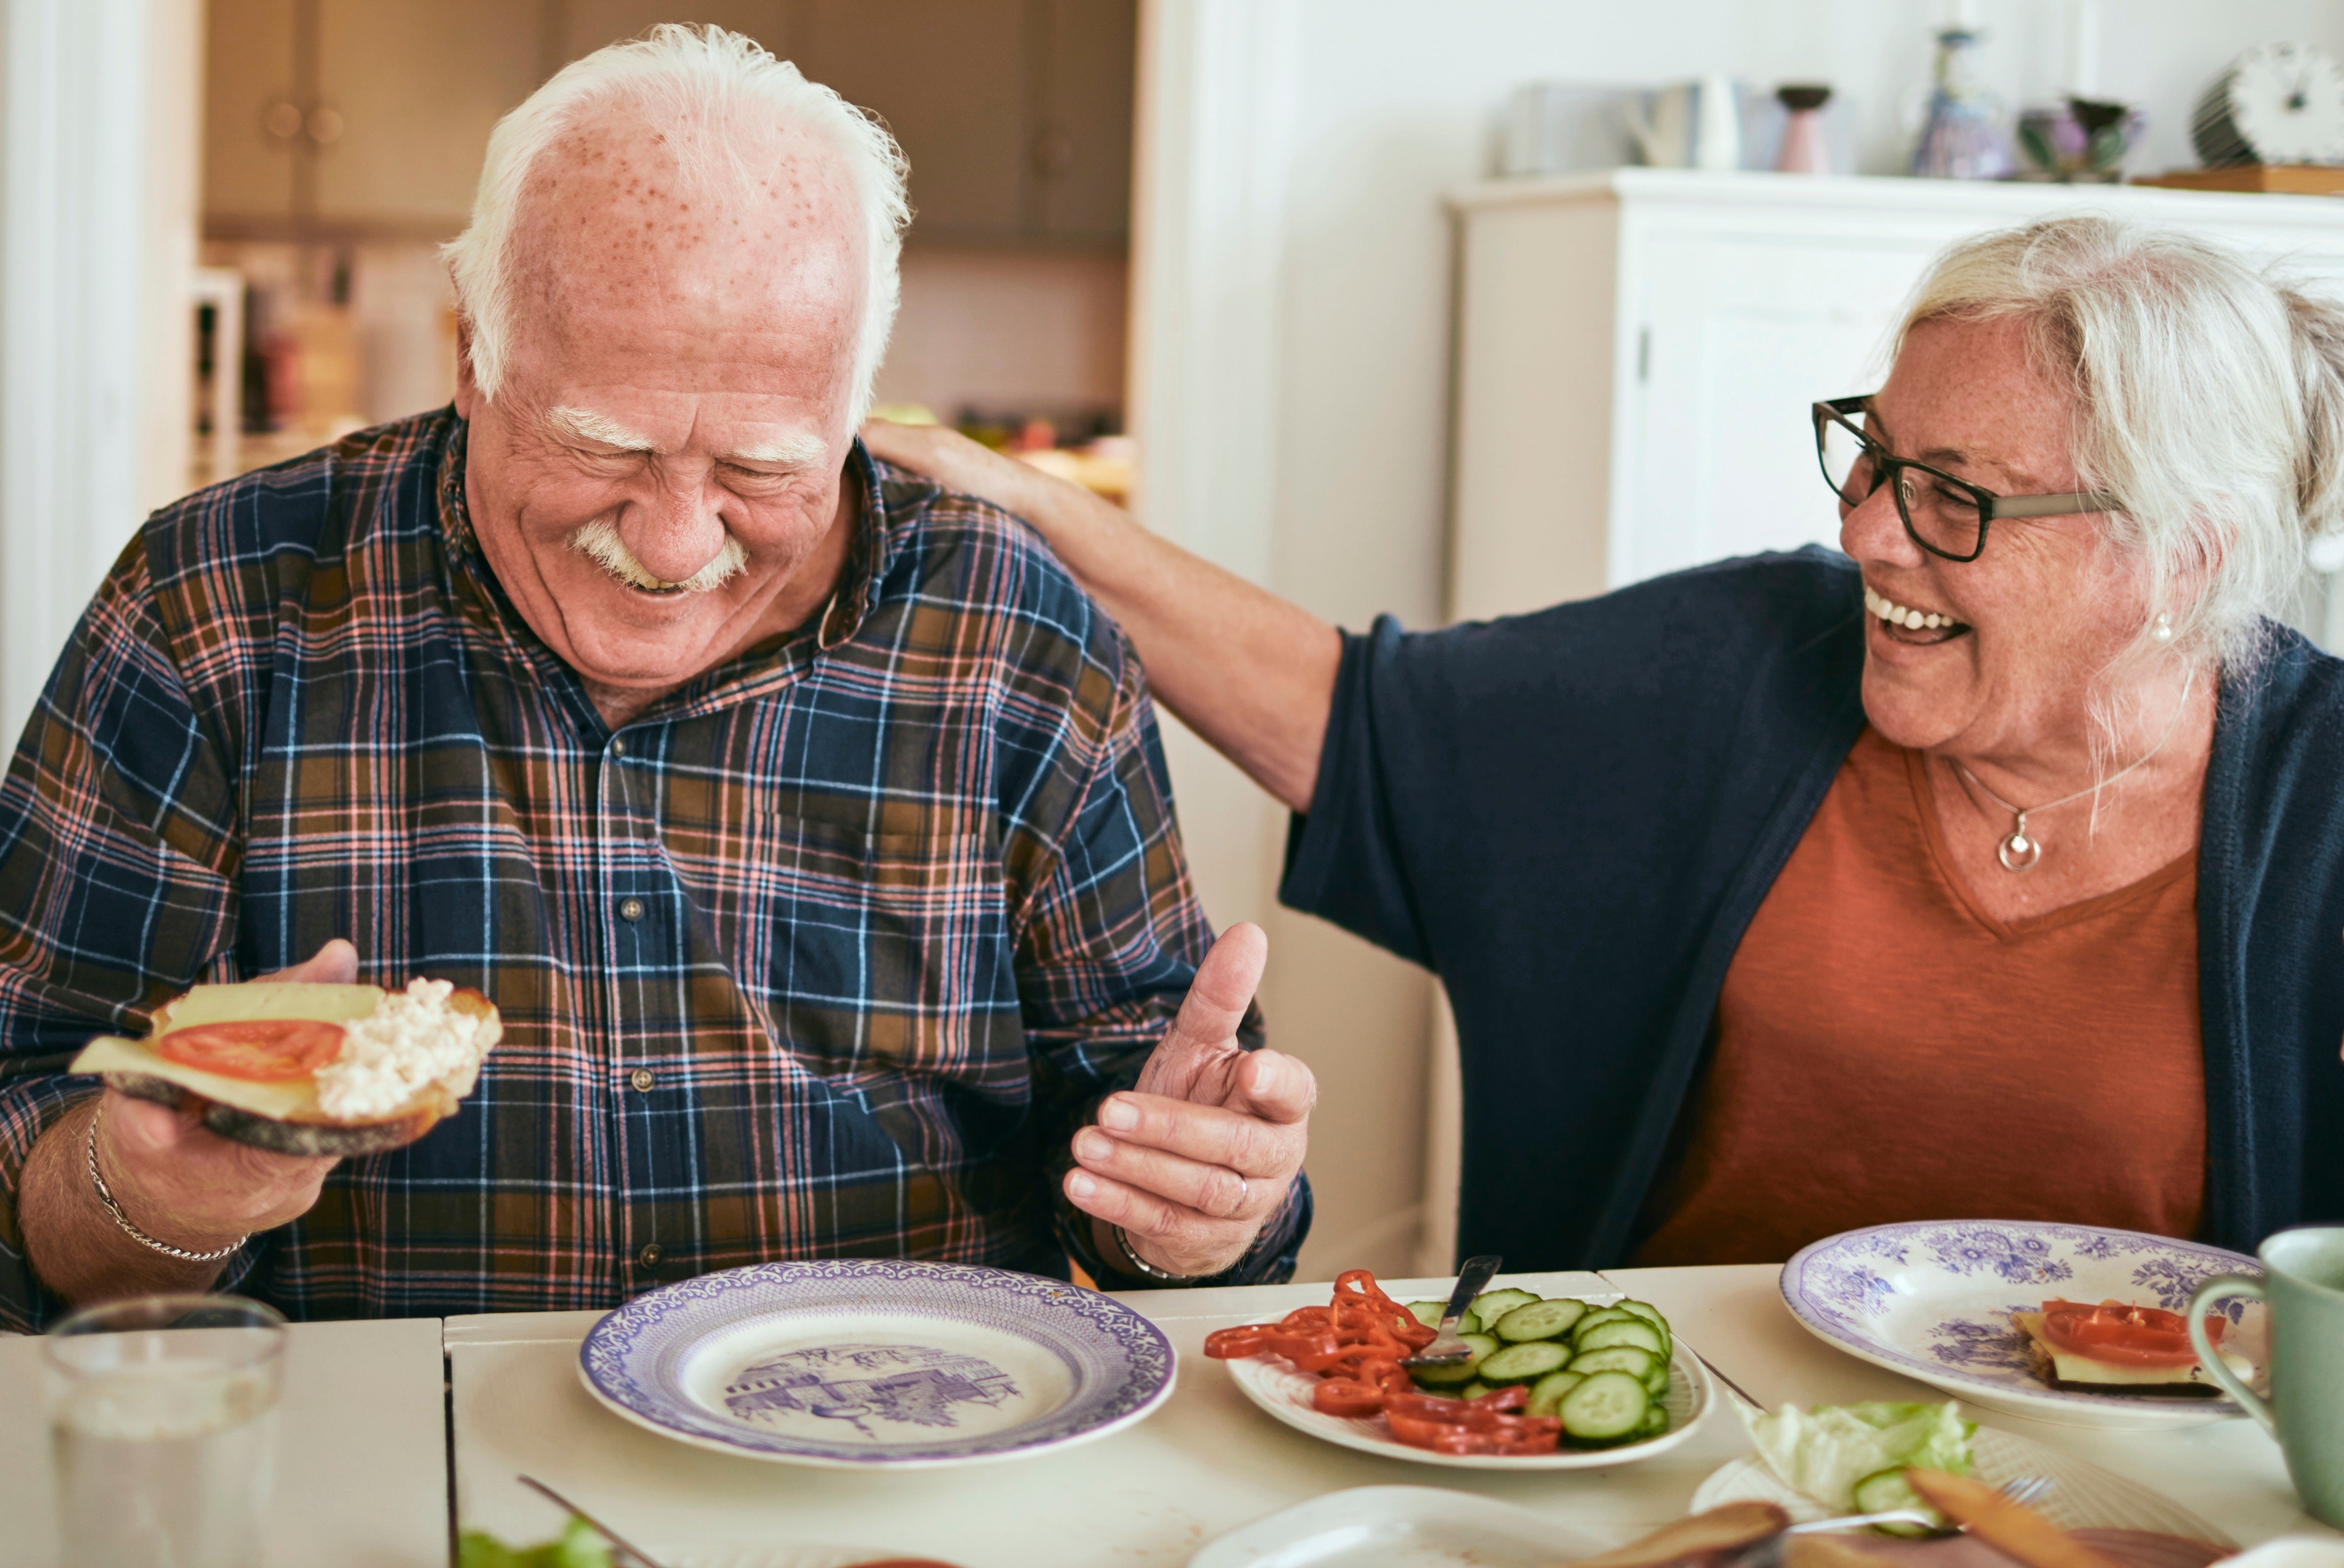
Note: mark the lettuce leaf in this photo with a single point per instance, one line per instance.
(1825, 1450)
(578, 1546)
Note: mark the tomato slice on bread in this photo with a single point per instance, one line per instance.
(258, 1051)
(2123, 1335)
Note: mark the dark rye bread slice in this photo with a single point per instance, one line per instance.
(282, 1118)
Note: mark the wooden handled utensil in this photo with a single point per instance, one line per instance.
(1708, 1540)
(2013, 1528)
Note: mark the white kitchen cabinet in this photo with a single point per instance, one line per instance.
(1636, 353)
(413, 90)
(248, 69)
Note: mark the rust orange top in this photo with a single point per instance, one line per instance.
(1884, 1050)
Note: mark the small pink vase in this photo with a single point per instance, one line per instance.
(1802, 134)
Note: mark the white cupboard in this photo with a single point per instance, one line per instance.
(1636, 351)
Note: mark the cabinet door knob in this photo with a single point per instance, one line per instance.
(281, 120)
(326, 126)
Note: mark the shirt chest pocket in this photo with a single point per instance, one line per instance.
(888, 950)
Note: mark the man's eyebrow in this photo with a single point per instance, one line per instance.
(586, 425)
(788, 451)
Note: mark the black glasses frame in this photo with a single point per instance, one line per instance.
(1885, 465)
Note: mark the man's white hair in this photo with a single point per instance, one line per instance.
(2209, 400)
(704, 83)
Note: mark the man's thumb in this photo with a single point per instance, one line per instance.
(334, 964)
(1224, 986)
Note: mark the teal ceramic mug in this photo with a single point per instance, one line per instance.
(2304, 1287)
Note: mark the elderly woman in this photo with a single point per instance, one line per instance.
(1990, 868)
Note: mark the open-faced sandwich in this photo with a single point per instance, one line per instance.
(2115, 1348)
(305, 1068)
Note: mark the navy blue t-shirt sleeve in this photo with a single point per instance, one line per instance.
(1345, 861)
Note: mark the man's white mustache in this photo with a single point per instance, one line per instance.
(598, 541)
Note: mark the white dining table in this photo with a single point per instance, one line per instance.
(362, 1450)
(368, 1476)
(1208, 1461)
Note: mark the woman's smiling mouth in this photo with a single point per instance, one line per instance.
(1901, 623)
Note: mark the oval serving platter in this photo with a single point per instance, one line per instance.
(854, 1363)
(1933, 1299)
(1274, 1384)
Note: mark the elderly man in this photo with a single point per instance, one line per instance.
(806, 823)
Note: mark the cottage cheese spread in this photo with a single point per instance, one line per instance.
(413, 1039)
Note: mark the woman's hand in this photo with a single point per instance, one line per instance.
(955, 461)
(1250, 673)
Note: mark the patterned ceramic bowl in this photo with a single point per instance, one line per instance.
(855, 1364)
(1933, 1300)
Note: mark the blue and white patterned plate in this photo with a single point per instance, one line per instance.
(1933, 1301)
(861, 1362)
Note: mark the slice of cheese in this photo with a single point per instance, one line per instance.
(2084, 1370)
(267, 999)
(291, 1099)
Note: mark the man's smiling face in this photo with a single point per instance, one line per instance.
(657, 484)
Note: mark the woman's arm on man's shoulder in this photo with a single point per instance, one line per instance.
(1250, 673)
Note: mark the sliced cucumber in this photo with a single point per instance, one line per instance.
(1492, 1305)
(1473, 1391)
(1599, 1315)
(1546, 1319)
(1650, 1313)
(1479, 1345)
(1546, 1394)
(1469, 1322)
(1655, 1422)
(1524, 1363)
(1634, 1360)
(1621, 1331)
(1428, 1313)
(1606, 1408)
(1656, 1381)
(1884, 1491)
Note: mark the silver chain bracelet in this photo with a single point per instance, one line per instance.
(1143, 1269)
(106, 1196)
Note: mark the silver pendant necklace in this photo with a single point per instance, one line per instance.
(2021, 850)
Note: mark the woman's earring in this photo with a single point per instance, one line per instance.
(2163, 630)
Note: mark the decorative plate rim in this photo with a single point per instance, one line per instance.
(1251, 1375)
(1837, 1327)
(609, 1355)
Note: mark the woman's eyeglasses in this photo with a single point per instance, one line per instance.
(1945, 515)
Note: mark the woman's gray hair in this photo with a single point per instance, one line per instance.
(698, 79)
(2209, 400)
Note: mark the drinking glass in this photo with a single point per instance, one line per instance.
(163, 1427)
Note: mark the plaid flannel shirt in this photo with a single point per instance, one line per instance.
(827, 954)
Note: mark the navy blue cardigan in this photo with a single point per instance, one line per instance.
(1572, 817)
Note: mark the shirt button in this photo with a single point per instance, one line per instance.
(641, 1079)
(618, 745)
(650, 1256)
(630, 909)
